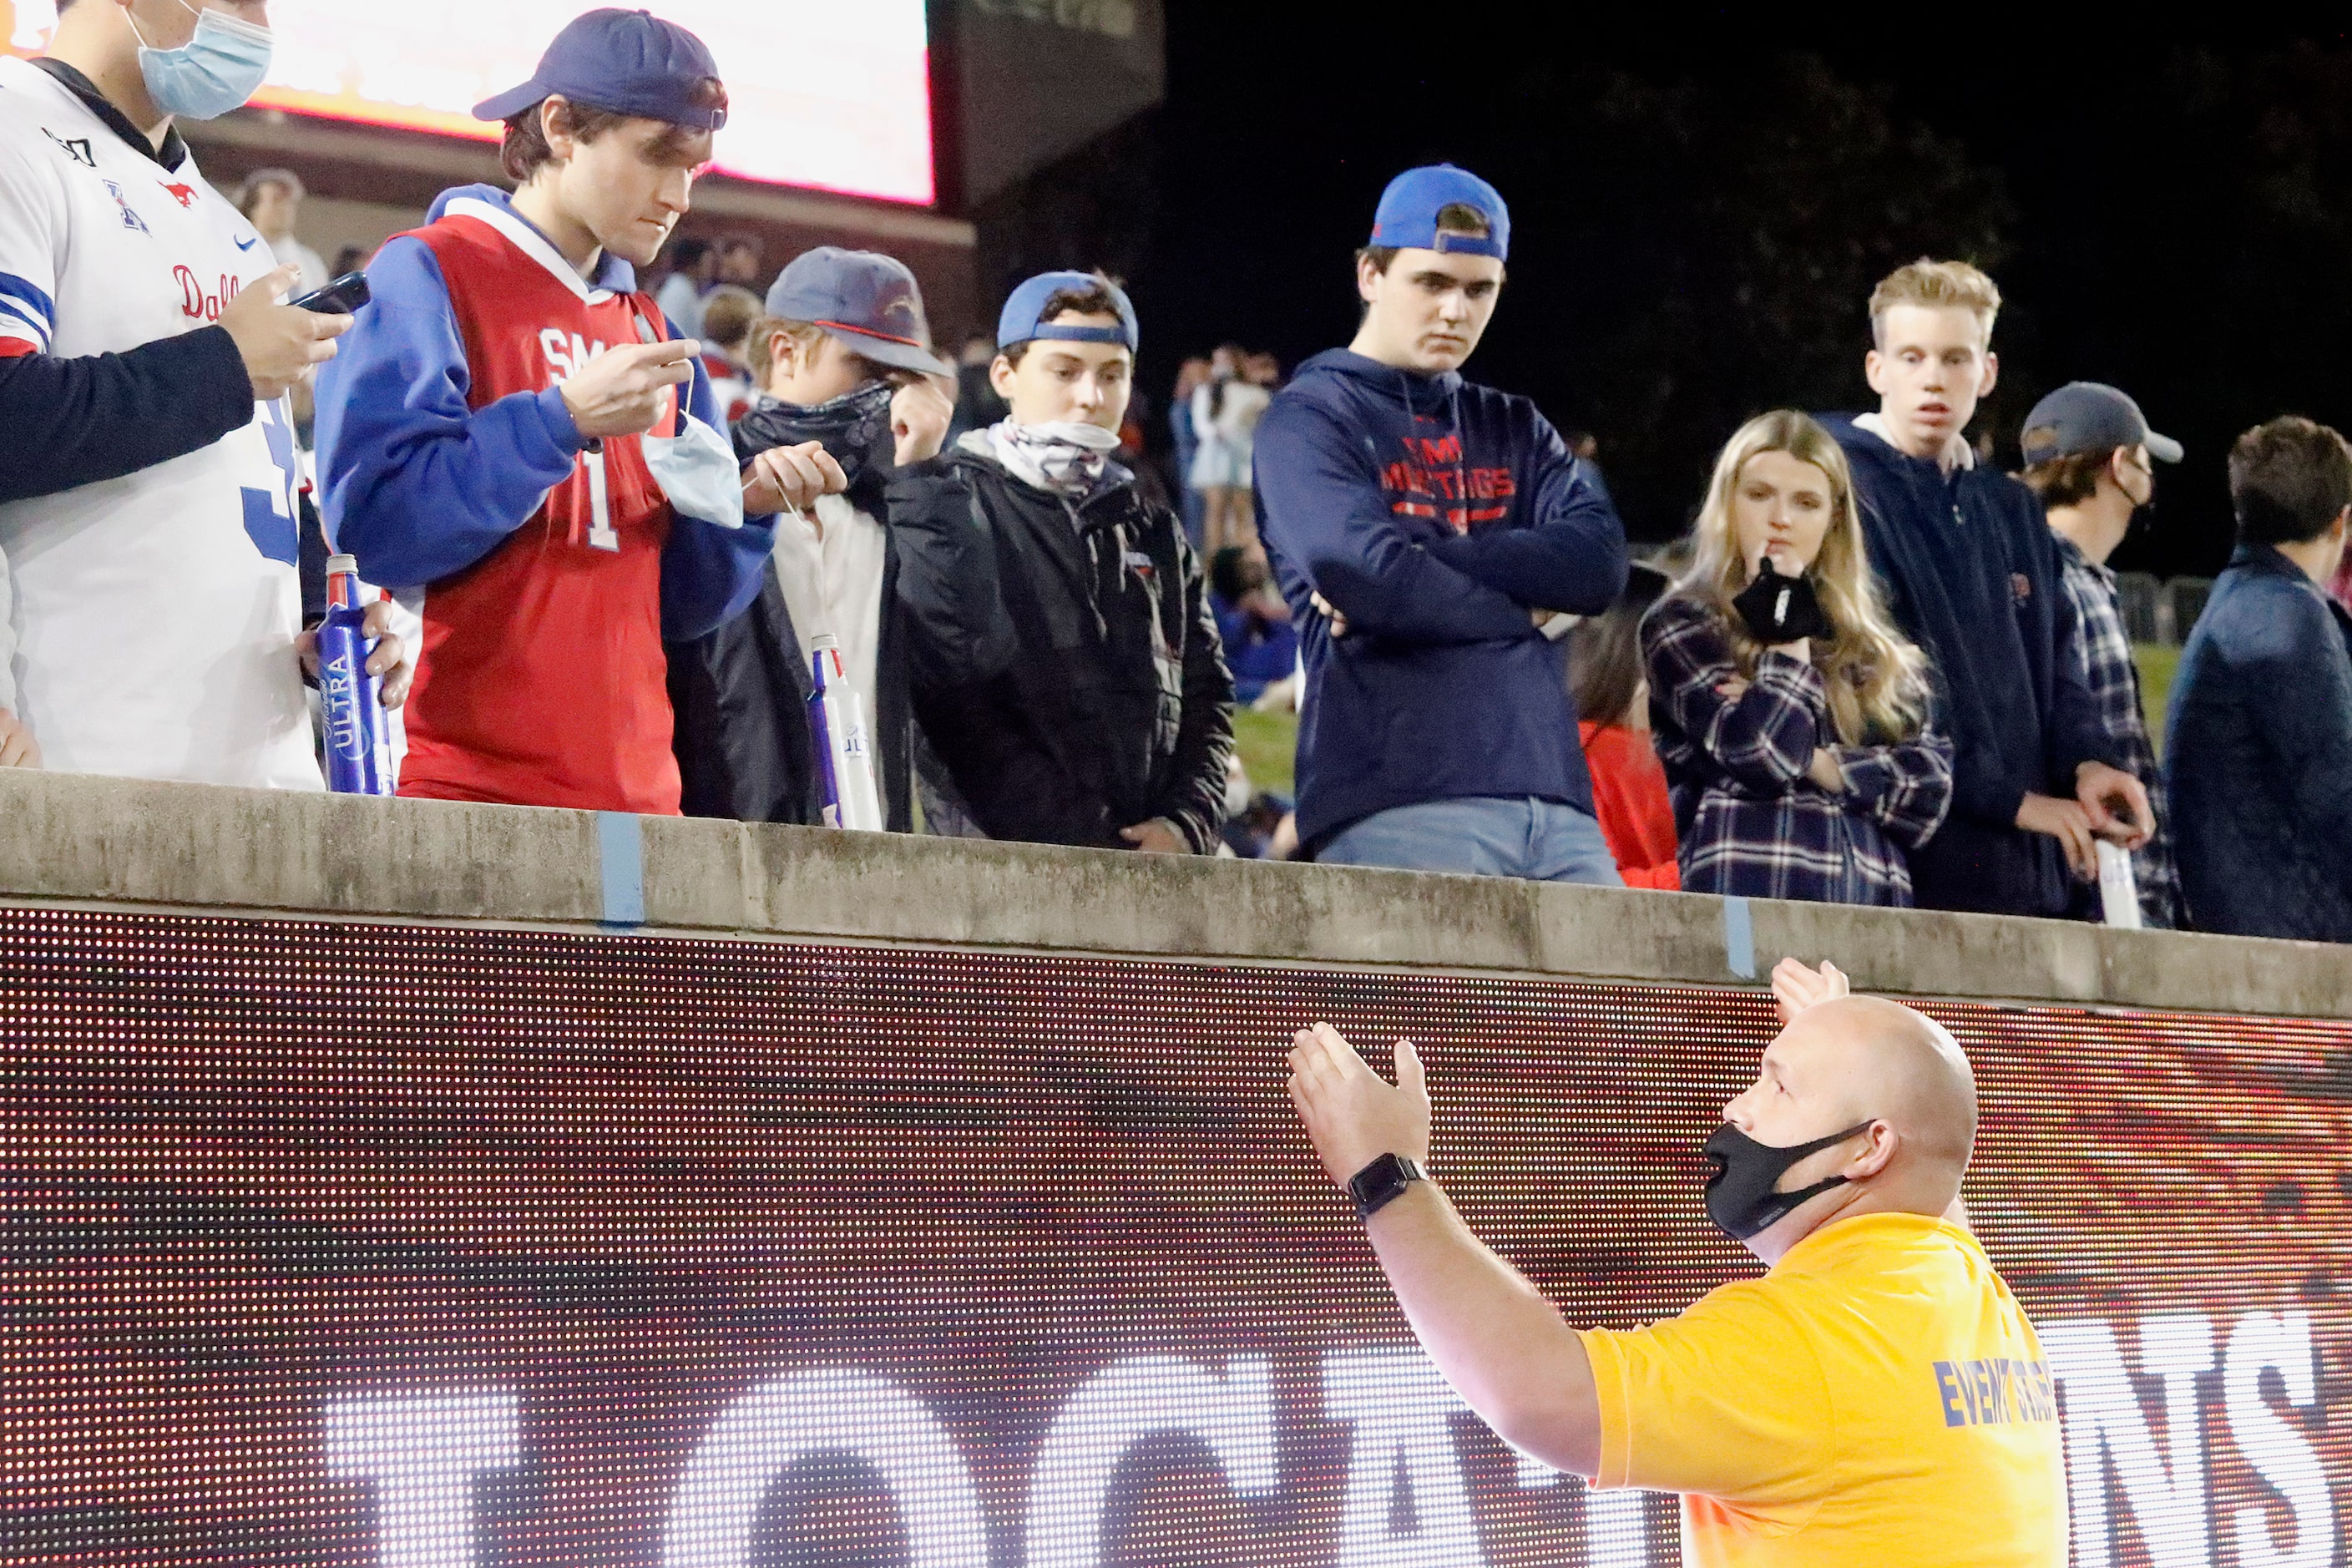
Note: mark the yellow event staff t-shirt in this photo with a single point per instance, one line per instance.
(1878, 1398)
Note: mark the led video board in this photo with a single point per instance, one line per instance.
(823, 94)
(341, 1245)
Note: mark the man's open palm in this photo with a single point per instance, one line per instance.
(1352, 1113)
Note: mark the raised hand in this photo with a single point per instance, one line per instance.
(1796, 987)
(1353, 1115)
(920, 412)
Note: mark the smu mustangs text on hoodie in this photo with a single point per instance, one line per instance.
(547, 568)
(1434, 515)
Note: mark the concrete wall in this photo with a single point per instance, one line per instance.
(89, 841)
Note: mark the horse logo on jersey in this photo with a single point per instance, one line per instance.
(77, 148)
(130, 219)
(183, 195)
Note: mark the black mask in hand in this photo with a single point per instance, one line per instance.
(1781, 609)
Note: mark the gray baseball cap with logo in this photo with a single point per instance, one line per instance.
(2091, 416)
(870, 302)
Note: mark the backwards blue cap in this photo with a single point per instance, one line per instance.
(1407, 218)
(628, 62)
(1020, 323)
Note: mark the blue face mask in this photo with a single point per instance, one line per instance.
(211, 73)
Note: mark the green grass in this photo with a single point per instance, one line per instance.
(1269, 741)
(2157, 665)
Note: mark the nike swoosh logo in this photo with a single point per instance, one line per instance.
(248, 244)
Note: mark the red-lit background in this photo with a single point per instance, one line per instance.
(256, 1168)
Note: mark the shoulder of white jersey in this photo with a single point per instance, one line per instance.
(30, 96)
(43, 129)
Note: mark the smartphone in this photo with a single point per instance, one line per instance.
(340, 298)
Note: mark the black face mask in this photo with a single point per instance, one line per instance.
(1781, 609)
(855, 426)
(1739, 1196)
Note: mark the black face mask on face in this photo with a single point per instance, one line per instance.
(855, 426)
(1739, 1196)
(1781, 609)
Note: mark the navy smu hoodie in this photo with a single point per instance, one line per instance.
(1970, 574)
(1434, 514)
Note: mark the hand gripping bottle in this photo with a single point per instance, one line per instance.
(844, 762)
(348, 700)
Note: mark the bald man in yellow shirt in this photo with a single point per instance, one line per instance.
(1877, 1398)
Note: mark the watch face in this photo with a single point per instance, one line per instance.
(1381, 1181)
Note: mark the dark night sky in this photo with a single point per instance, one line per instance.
(1282, 122)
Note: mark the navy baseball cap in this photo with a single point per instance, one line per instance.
(629, 62)
(870, 302)
(1018, 323)
(2091, 416)
(1407, 217)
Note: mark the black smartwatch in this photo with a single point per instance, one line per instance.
(1383, 1182)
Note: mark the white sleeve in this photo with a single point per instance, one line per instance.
(1204, 428)
(32, 235)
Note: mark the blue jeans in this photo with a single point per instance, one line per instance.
(1480, 836)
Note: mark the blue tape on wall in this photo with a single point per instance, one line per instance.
(621, 846)
(1739, 938)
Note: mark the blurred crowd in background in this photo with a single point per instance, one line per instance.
(663, 524)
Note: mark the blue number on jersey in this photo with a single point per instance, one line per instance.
(270, 513)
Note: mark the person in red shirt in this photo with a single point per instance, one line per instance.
(522, 442)
(1612, 710)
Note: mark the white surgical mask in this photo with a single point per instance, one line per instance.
(696, 468)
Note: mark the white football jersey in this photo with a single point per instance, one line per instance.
(154, 615)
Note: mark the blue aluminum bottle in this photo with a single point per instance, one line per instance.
(348, 700)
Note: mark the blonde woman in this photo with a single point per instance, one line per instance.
(1792, 718)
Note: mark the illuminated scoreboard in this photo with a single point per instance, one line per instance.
(341, 1245)
(823, 94)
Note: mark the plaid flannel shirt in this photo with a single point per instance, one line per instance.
(2103, 650)
(1750, 820)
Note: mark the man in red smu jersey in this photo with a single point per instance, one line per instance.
(521, 442)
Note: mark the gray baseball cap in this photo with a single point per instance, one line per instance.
(2091, 416)
(868, 300)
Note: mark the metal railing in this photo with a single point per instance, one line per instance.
(2161, 610)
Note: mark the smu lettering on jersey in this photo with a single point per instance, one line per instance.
(547, 569)
(154, 615)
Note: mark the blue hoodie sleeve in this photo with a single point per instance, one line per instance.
(1570, 555)
(414, 483)
(710, 574)
(1324, 512)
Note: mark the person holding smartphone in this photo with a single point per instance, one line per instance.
(1792, 718)
(519, 441)
(843, 358)
(151, 625)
